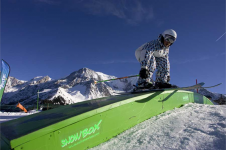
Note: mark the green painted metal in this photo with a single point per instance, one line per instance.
(86, 124)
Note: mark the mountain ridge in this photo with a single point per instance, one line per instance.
(76, 87)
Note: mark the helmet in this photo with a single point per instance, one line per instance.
(170, 35)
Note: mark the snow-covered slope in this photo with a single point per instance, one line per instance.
(76, 87)
(205, 92)
(192, 127)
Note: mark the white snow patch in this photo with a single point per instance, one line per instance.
(12, 89)
(194, 126)
(45, 90)
(59, 81)
(115, 84)
(6, 116)
(105, 76)
(77, 92)
(69, 96)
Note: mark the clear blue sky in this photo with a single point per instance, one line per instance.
(57, 37)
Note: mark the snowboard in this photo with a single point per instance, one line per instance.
(199, 85)
(212, 86)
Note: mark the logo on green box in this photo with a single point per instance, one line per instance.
(81, 135)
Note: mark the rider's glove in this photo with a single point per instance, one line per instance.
(144, 73)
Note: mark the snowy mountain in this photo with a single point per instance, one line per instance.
(205, 92)
(76, 87)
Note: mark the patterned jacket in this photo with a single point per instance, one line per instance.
(154, 48)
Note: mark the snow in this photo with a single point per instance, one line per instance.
(77, 93)
(117, 85)
(63, 93)
(69, 95)
(60, 81)
(13, 89)
(105, 76)
(45, 90)
(36, 79)
(194, 126)
(6, 116)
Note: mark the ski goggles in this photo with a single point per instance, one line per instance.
(169, 38)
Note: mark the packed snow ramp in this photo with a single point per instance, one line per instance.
(87, 124)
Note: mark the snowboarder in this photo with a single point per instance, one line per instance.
(152, 55)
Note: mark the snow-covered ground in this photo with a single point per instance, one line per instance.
(194, 126)
(6, 116)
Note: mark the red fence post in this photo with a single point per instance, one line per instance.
(197, 89)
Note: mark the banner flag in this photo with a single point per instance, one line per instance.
(21, 107)
(5, 70)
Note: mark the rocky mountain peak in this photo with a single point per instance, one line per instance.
(39, 79)
(81, 75)
(86, 72)
(78, 86)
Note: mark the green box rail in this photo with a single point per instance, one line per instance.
(87, 124)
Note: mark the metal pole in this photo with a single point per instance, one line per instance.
(37, 100)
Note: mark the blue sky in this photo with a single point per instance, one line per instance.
(57, 37)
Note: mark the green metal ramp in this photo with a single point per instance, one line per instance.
(86, 124)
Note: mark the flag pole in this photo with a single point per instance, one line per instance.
(37, 100)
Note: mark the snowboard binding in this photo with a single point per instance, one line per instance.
(148, 86)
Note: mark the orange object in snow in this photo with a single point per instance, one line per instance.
(21, 107)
